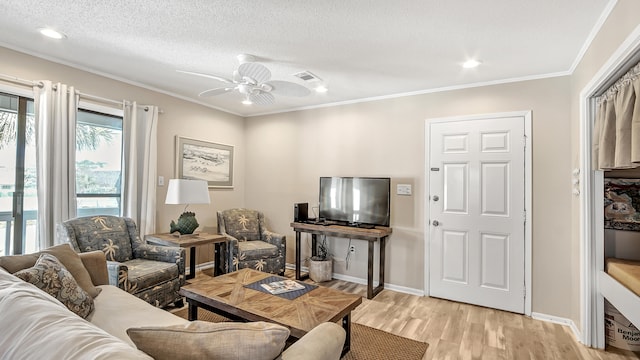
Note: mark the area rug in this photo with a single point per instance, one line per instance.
(366, 343)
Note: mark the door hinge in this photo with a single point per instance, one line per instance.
(524, 217)
(524, 291)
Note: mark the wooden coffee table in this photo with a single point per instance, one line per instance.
(227, 296)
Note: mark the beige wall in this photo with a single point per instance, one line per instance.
(620, 23)
(279, 158)
(179, 118)
(386, 138)
(287, 153)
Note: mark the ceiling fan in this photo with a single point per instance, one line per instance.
(252, 80)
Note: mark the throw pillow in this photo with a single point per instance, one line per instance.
(49, 275)
(72, 262)
(206, 340)
(65, 254)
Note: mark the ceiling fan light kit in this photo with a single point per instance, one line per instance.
(243, 58)
(51, 33)
(470, 64)
(252, 81)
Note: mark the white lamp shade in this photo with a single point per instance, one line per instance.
(183, 191)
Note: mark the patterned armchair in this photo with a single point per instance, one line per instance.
(250, 244)
(152, 273)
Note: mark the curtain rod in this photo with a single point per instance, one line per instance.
(115, 102)
(19, 81)
(39, 84)
(628, 76)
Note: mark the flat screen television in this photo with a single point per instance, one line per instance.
(355, 200)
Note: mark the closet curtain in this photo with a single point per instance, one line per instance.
(616, 138)
(55, 132)
(139, 165)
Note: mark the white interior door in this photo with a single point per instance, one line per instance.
(477, 212)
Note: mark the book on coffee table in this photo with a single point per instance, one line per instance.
(279, 287)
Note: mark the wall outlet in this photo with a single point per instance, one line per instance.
(403, 189)
(352, 249)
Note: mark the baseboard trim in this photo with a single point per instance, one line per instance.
(200, 267)
(560, 321)
(361, 281)
(293, 267)
(405, 290)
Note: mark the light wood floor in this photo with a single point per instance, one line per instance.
(461, 331)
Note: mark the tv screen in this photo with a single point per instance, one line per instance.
(355, 200)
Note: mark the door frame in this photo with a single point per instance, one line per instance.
(17, 244)
(526, 115)
(592, 193)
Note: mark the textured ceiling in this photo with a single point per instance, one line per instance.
(361, 48)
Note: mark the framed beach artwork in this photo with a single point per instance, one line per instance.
(202, 160)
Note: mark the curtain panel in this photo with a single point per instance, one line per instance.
(139, 166)
(56, 108)
(616, 137)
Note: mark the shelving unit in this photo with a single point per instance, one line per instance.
(623, 244)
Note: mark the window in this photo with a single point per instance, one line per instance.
(98, 163)
(98, 169)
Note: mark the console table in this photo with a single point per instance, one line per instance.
(378, 233)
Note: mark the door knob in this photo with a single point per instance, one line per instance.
(436, 198)
(435, 223)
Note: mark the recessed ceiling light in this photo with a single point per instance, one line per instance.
(247, 102)
(52, 33)
(321, 89)
(471, 64)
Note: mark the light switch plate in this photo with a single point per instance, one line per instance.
(160, 180)
(403, 189)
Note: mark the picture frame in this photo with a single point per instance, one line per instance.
(203, 160)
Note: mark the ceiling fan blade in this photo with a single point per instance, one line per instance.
(256, 71)
(262, 98)
(216, 91)
(214, 77)
(287, 88)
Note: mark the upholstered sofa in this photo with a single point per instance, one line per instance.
(36, 325)
(249, 243)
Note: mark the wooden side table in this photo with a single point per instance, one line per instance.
(191, 241)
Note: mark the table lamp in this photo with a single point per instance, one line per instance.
(185, 192)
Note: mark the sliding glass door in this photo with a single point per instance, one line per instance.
(18, 196)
